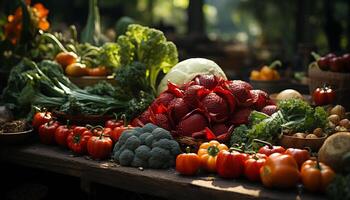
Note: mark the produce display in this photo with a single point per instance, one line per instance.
(193, 119)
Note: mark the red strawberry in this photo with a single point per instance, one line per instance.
(145, 116)
(269, 109)
(246, 85)
(191, 96)
(162, 120)
(164, 98)
(219, 129)
(260, 98)
(242, 94)
(177, 109)
(241, 116)
(216, 106)
(209, 81)
(191, 123)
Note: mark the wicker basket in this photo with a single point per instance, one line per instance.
(339, 81)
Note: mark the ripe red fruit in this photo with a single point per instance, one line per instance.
(162, 121)
(177, 109)
(216, 106)
(323, 63)
(164, 98)
(269, 109)
(191, 95)
(241, 116)
(260, 99)
(336, 64)
(208, 81)
(346, 60)
(193, 122)
(240, 91)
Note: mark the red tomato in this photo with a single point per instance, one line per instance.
(99, 147)
(230, 164)
(47, 132)
(41, 118)
(117, 132)
(78, 138)
(112, 123)
(62, 133)
(323, 96)
(252, 166)
(268, 149)
(300, 155)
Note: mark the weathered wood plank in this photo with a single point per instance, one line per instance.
(163, 183)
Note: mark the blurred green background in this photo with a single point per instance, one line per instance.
(238, 34)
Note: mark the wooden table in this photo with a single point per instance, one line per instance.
(163, 183)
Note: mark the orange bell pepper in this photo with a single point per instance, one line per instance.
(280, 170)
(316, 176)
(208, 152)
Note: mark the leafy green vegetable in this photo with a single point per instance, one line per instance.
(294, 115)
(92, 31)
(268, 129)
(239, 135)
(301, 117)
(132, 78)
(145, 45)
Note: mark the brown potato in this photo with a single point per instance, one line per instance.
(299, 135)
(334, 119)
(338, 110)
(311, 136)
(345, 123)
(318, 132)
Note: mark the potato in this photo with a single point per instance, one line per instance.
(345, 123)
(338, 110)
(289, 94)
(333, 150)
(299, 135)
(340, 129)
(334, 119)
(311, 136)
(318, 132)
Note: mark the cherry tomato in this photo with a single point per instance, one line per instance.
(230, 163)
(112, 123)
(268, 149)
(62, 133)
(117, 132)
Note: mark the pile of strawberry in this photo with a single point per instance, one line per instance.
(207, 107)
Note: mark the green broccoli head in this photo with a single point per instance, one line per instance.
(132, 143)
(125, 135)
(144, 136)
(160, 158)
(126, 157)
(160, 133)
(149, 127)
(143, 152)
(150, 47)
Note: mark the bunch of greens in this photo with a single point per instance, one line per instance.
(44, 85)
(145, 45)
(294, 115)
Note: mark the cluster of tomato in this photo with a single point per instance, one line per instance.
(274, 166)
(95, 141)
(72, 67)
(324, 95)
